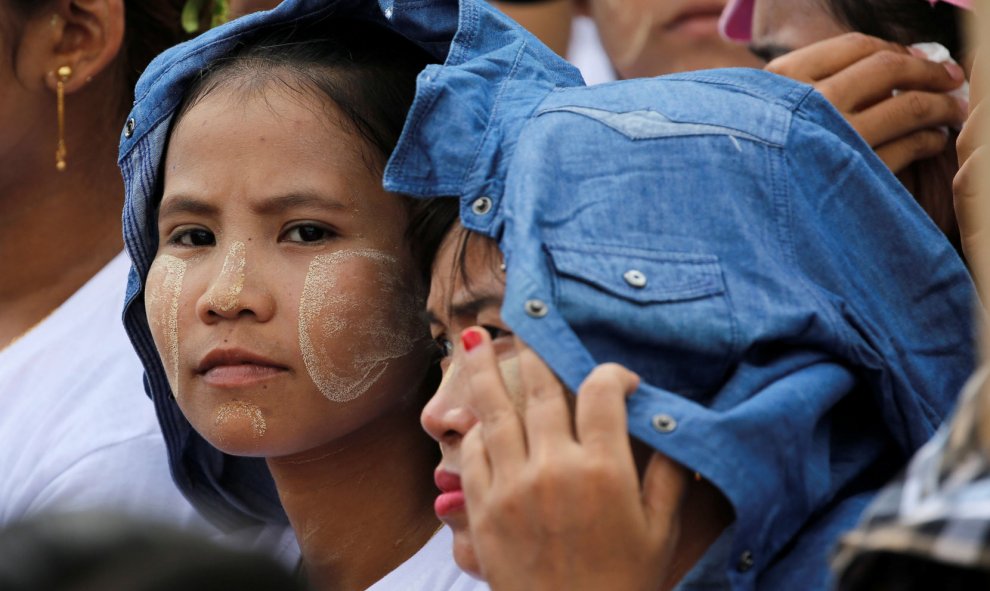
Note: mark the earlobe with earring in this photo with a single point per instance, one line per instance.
(62, 76)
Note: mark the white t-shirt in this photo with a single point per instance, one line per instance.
(585, 51)
(431, 569)
(76, 429)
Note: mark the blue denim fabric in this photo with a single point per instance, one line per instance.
(800, 325)
(236, 491)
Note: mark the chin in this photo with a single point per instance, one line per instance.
(464, 554)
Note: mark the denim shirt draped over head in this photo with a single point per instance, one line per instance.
(800, 326)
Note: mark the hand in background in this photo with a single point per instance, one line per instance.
(858, 74)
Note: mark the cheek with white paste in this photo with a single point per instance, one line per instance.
(356, 315)
(163, 291)
(225, 291)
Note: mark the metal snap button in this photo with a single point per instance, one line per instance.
(746, 561)
(635, 278)
(481, 205)
(536, 308)
(129, 128)
(664, 423)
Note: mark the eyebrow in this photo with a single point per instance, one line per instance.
(282, 203)
(465, 307)
(191, 205)
(184, 204)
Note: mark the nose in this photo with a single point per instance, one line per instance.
(234, 290)
(445, 417)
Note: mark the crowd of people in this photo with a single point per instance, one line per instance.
(408, 305)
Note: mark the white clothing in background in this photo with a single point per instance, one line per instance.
(586, 52)
(77, 431)
(431, 569)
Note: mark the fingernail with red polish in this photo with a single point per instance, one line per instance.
(471, 338)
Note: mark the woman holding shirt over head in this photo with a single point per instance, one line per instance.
(276, 305)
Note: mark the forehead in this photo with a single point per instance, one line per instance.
(294, 143)
(465, 271)
(793, 23)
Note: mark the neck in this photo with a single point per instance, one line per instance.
(362, 506)
(59, 227)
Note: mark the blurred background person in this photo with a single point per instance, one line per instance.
(110, 552)
(912, 131)
(71, 392)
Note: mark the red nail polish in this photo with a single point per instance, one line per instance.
(471, 338)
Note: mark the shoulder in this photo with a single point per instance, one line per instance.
(749, 104)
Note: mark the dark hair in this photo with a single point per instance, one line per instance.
(910, 572)
(150, 27)
(365, 70)
(429, 223)
(91, 551)
(903, 21)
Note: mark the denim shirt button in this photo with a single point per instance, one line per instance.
(481, 205)
(536, 308)
(635, 278)
(746, 561)
(664, 423)
(129, 128)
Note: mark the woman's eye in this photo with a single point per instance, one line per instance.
(307, 233)
(444, 346)
(193, 237)
(495, 332)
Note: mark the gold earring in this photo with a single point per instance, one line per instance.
(60, 150)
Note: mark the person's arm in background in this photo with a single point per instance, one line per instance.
(549, 20)
(968, 189)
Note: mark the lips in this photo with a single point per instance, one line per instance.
(451, 496)
(236, 367)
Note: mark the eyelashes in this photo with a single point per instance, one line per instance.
(445, 347)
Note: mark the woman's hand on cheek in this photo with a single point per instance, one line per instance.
(858, 74)
(555, 503)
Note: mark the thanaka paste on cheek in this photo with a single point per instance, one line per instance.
(231, 412)
(347, 337)
(224, 292)
(165, 280)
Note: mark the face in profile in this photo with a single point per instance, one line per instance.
(457, 302)
(282, 298)
(645, 38)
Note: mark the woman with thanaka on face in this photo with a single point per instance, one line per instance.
(912, 132)
(282, 298)
(72, 396)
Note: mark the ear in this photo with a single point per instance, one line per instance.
(87, 36)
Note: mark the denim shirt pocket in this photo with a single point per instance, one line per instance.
(665, 315)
